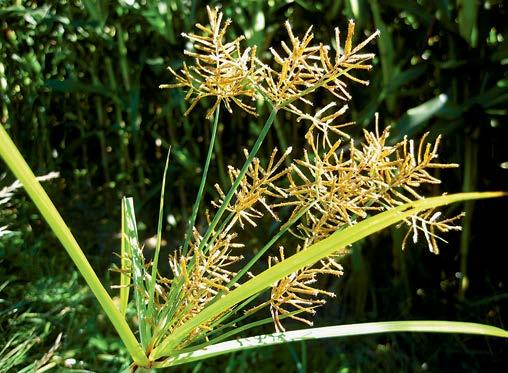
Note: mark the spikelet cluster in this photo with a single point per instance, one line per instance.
(350, 182)
(337, 182)
(299, 292)
(203, 275)
(340, 185)
(225, 72)
(303, 67)
(221, 71)
(256, 187)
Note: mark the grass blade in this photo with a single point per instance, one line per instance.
(237, 330)
(311, 255)
(151, 287)
(17, 164)
(125, 278)
(412, 121)
(424, 326)
(138, 269)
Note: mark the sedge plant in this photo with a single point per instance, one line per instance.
(340, 191)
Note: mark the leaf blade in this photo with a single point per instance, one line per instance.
(424, 326)
(138, 269)
(125, 268)
(307, 257)
(17, 164)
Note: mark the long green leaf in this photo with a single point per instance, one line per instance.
(125, 277)
(155, 264)
(333, 332)
(411, 122)
(15, 161)
(311, 255)
(467, 19)
(137, 269)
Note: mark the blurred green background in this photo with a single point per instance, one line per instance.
(78, 94)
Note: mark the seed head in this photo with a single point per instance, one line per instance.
(221, 70)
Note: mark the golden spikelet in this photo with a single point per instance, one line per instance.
(228, 74)
(203, 276)
(298, 291)
(306, 67)
(221, 70)
(427, 222)
(256, 186)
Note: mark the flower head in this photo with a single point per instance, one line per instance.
(337, 182)
(221, 70)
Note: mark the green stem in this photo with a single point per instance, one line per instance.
(126, 268)
(19, 167)
(138, 272)
(199, 197)
(177, 285)
(155, 264)
(470, 175)
(239, 178)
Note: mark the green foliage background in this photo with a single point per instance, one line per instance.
(78, 93)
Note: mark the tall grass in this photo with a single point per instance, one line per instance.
(117, 109)
(336, 196)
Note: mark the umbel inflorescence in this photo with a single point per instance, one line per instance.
(338, 181)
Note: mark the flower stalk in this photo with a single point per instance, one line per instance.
(199, 197)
